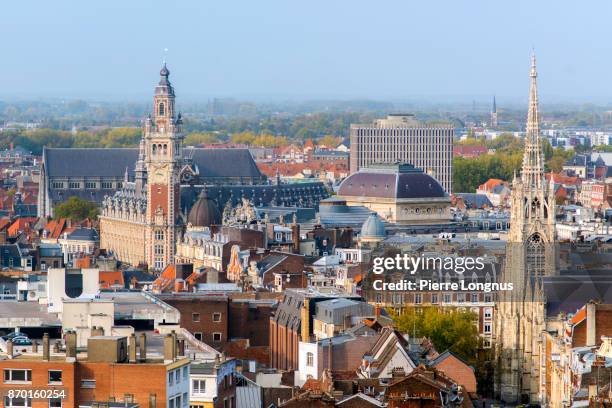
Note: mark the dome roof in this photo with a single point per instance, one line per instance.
(391, 181)
(373, 227)
(204, 212)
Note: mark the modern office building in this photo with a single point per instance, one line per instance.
(402, 138)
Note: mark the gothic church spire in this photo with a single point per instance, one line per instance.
(532, 174)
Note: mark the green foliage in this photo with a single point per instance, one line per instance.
(246, 138)
(468, 174)
(603, 148)
(472, 141)
(268, 140)
(506, 143)
(261, 140)
(558, 157)
(76, 209)
(453, 330)
(198, 138)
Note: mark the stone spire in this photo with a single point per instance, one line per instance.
(140, 170)
(532, 174)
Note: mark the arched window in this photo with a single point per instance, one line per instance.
(535, 256)
(162, 109)
(309, 359)
(154, 149)
(165, 149)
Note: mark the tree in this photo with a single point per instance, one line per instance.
(198, 138)
(328, 141)
(76, 209)
(454, 331)
(246, 138)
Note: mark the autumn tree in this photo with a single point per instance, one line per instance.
(452, 330)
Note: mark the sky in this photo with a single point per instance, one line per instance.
(437, 50)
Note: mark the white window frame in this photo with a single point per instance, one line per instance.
(10, 372)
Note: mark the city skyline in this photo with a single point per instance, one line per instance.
(328, 51)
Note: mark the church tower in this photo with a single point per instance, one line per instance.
(494, 114)
(162, 156)
(530, 255)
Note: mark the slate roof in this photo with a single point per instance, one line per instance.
(396, 181)
(578, 160)
(474, 200)
(112, 162)
(68, 162)
(82, 234)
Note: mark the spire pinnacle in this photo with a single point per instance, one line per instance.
(533, 157)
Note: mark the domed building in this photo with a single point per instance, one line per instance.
(372, 230)
(400, 193)
(204, 212)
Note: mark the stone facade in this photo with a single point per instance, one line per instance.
(530, 256)
(140, 222)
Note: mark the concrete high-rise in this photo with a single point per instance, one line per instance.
(402, 138)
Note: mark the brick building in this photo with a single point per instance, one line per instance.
(110, 371)
(204, 315)
(293, 322)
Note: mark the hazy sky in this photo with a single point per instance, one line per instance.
(374, 49)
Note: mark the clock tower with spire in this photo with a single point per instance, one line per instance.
(163, 140)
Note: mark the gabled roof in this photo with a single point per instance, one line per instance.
(366, 399)
(444, 356)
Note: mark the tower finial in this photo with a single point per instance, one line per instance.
(533, 157)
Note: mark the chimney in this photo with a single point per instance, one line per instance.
(71, 344)
(169, 347)
(56, 346)
(45, 346)
(9, 348)
(295, 234)
(143, 346)
(132, 348)
(181, 348)
(329, 356)
(34, 346)
(591, 328)
(592, 391)
(305, 319)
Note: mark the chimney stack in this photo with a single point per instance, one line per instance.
(45, 346)
(35, 346)
(143, 346)
(9, 348)
(591, 328)
(97, 331)
(169, 347)
(56, 346)
(181, 348)
(71, 344)
(132, 348)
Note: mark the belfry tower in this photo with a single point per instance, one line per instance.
(162, 152)
(530, 255)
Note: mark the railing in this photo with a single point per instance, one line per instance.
(200, 345)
